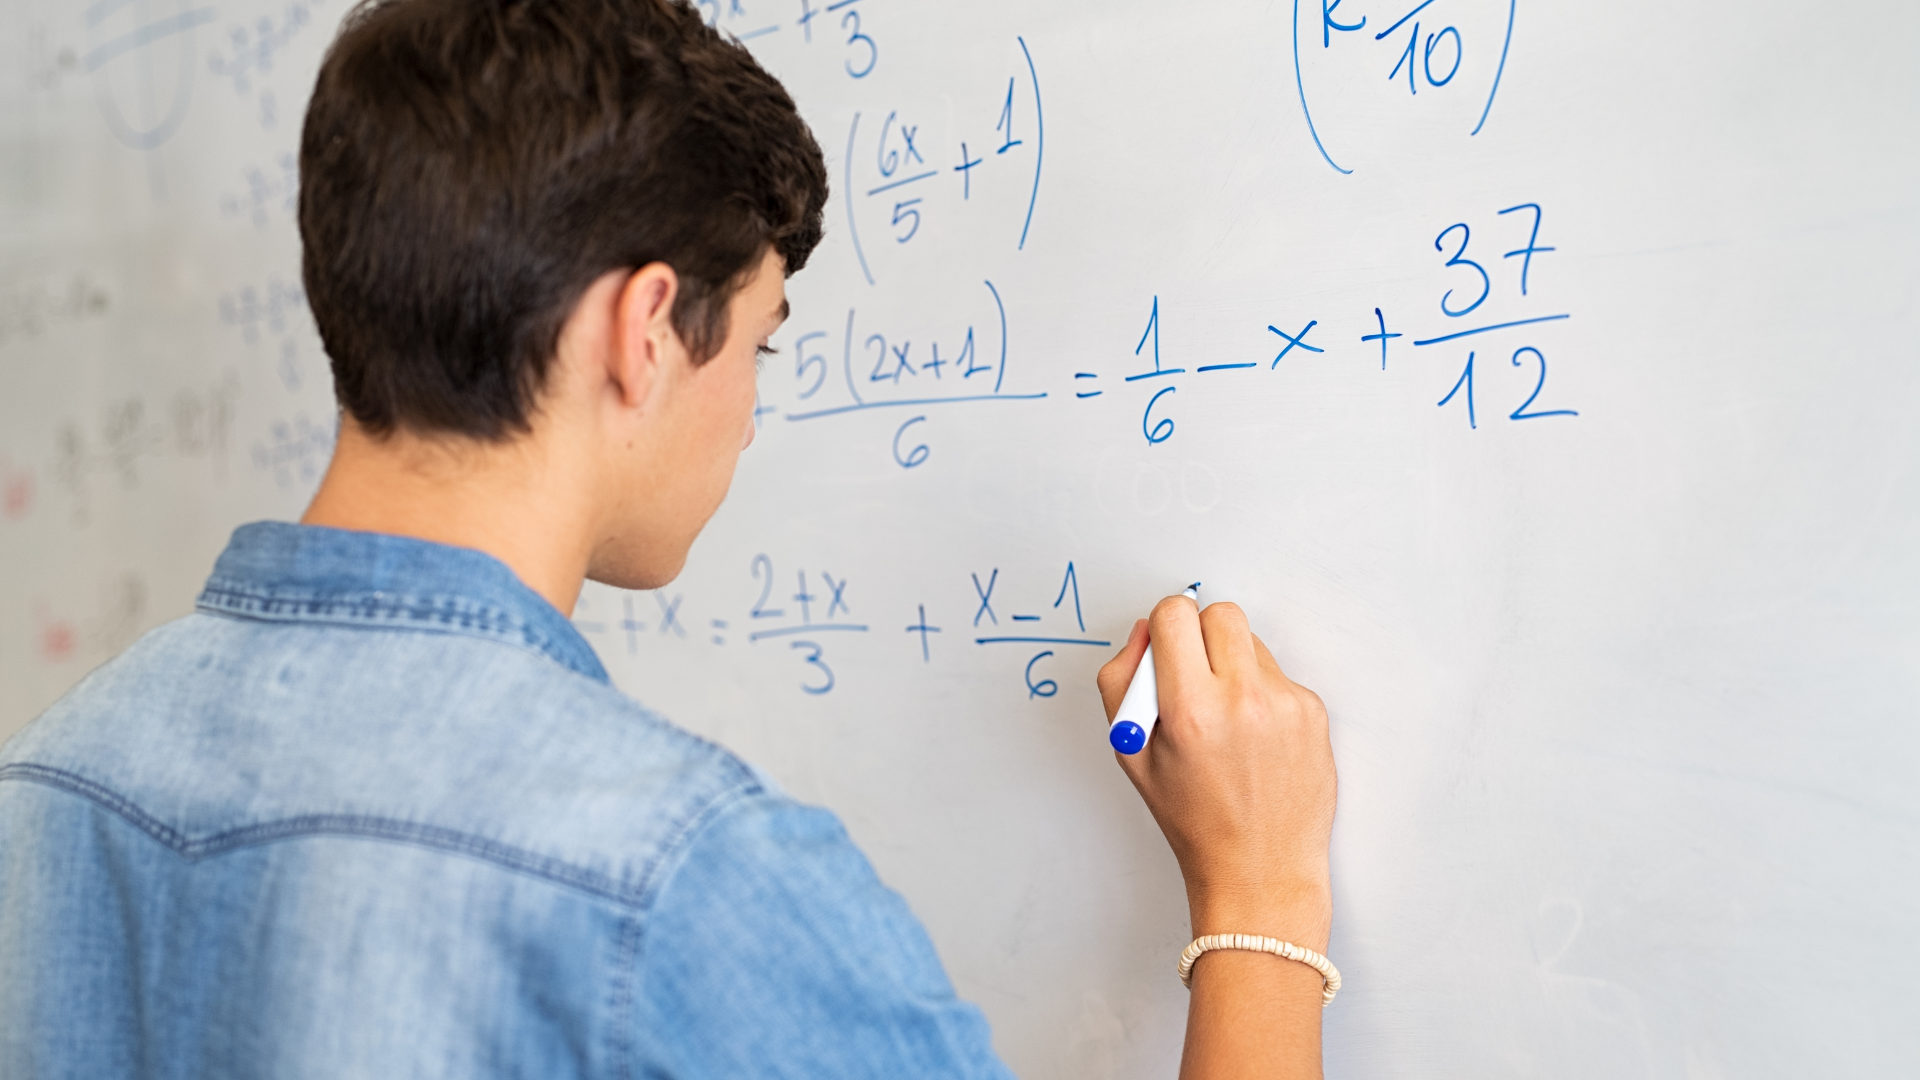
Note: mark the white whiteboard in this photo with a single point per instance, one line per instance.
(1624, 702)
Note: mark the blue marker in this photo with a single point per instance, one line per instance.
(1138, 711)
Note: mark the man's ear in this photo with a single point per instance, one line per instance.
(644, 340)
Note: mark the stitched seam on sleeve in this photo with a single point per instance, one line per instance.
(672, 854)
(625, 975)
(366, 826)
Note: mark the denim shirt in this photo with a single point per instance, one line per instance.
(375, 810)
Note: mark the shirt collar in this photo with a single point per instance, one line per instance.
(308, 573)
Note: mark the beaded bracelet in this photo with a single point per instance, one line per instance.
(1329, 975)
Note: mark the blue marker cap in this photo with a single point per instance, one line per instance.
(1139, 709)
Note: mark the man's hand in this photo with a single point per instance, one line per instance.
(1239, 774)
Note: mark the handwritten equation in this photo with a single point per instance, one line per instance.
(268, 192)
(296, 451)
(141, 67)
(926, 366)
(902, 366)
(791, 619)
(269, 311)
(30, 308)
(1362, 64)
(838, 29)
(141, 60)
(1468, 286)
(198, 424)
(250, 52)
(895, 176)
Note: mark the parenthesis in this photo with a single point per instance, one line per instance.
(1513, 8)
(1040, 150)
(997, 303)
(1301, 82)
(846, 360)
(853, 229)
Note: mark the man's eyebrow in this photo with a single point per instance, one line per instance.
(781, 314)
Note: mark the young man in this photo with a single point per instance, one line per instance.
(374, 810)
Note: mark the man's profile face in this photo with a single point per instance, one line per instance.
(705, 420)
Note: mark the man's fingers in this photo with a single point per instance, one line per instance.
(1179, 651)
(1118, 672)
(1228, 639)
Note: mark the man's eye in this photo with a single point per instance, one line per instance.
(760, 354)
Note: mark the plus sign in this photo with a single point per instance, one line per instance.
(923, 630)
(631, 626)
(965, 169)
(1382, 337)
(806, 600)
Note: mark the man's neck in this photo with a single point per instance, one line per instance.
(511, 500)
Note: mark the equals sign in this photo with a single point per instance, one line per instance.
(719, 624)
(1078, 375)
